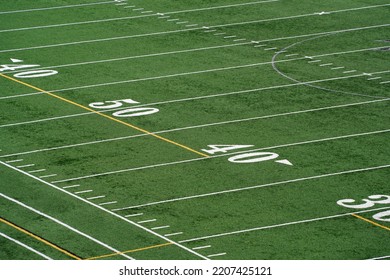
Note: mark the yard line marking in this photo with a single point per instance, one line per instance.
(252, 187)
(131, 251)
(138, 9)
(72, 186)
(26, 165)
(314, 61)
(108, 203)
(201, 247)
(47, 176)
(134, 215)
(57, 7)
(386, 82)
(371, 222)
(228, 37)
(270, 49)
(326, 64)
(336, 68)
(147, 221)
(191, 25)
(198, 159)
(172, 32)
(374, 78)
(350, 71)
(105, 210)
(239, 40)
(293, 54)
(16, 160)
(36, 171)
(96, 197)
(61, 223)
(199, 126)
(80, 192)
(280, 225)
(25, 246)
(41, 239)
(180, 75)
(105, 116)
(161, 227)
(216, 255)
(173, 19)
(173, 234)
(380, 258)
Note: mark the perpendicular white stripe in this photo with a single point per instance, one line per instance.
(60, 222)
(105, 210)
(280, 225)
(25, 246)
(54, 8)
(252, 187)
(224, 155)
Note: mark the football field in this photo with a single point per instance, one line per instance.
(190, 130)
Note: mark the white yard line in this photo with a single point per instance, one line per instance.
(197, 73)
(60, 222)
(147, 221)
(25, 246)
(56, 7)
(105, 210)
(380, 258)
(201, 247)
(145, 14)
(160, 227)
(216, 255)
(280, 225)
(161, 33)
(252, 187)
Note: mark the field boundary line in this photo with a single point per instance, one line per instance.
(128, 17)
(63, 224)
(106, 211)
(41, 239)
(370, 222)
(105, 116)
(280, 225)
(130, 251)
(25, 246)
(55, 7)
(252, 187)
(223, 155)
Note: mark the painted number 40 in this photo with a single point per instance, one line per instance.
(26, 74)
(251, 157)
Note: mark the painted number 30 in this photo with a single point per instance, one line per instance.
(369, 202)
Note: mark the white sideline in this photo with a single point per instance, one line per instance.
(55, 7)
(64, 225)
(196, 126)
(25, 246)
(218, 156)
(282, 225)
(105, 210)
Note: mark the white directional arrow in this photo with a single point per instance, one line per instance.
(284, 161)
(14, 60)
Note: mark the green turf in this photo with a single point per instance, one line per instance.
(274, 75)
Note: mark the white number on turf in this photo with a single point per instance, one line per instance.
(131, 112)
(135, 112)
(253, 157)
(35, 74)
(112, 104)
(223, 148)
(26, 74)
(368, 203)
(13, 67)
(383, 216)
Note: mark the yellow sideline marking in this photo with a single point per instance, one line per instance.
(371, 222)
(130, 251)
(40, 239)
(104, 115)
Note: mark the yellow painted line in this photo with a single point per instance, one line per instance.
(104, 115)
(130, 251)
(371, 222)
(40, 239)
